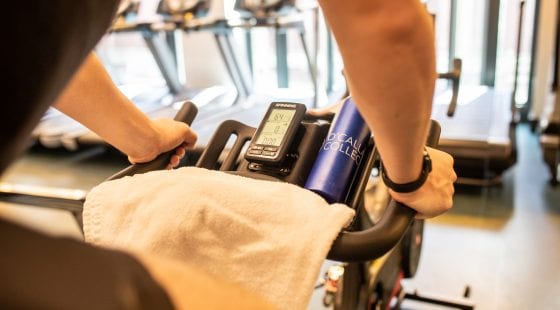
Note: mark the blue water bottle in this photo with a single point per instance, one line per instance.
(340, 155)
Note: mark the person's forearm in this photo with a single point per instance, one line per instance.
(191, 288)
(389, 59)
(92, 99)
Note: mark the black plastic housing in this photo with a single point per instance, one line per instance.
(286, 145)
(305, 147)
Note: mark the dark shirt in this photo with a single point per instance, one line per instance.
(44, 42)
(40, 272)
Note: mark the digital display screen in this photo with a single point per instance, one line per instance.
(275, 127)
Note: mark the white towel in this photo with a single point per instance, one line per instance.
(270, 237)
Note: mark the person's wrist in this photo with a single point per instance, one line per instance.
(147, 145)
(409, 186)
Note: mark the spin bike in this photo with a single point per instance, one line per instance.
(391, 244)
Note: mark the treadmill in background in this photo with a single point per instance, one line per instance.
(264, 9)
(249, 109)
(282, 16)
(481, 136)
(550, 120)
(477, 129)
(550, 140)
(216, 104)
(157, 101)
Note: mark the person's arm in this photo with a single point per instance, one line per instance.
(75, 275)
(190, 288)
(389, 60)
(92, 99)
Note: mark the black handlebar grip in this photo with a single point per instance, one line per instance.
(186, 114)
(433, 135)
(374, 242)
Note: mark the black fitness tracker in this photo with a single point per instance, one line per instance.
(410, 186)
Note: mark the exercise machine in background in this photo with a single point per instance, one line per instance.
(282, 16)
(151, 21)
(481, 136)
(550, 120)
(550, 141)
(163, 26)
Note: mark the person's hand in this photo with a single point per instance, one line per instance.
(436, 195)
(331, 108)
(170, 135)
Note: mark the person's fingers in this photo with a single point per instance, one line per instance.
(172, 136)
(190, 137)
(180, 151)
(318, 112)
(174, 161)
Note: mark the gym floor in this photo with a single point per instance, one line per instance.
(503, 242)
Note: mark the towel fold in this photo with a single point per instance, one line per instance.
(270, 237)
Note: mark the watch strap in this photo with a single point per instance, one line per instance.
(410, 186)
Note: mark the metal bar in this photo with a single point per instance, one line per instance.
(330, 61)
(311, 65)
(316, 31)
(440, 302)
(524, 113)
(165, 60)
(73, 206)
(452, 32)
(180, 56)
(517, 54)
(234, 60)
(230, 70)
(556, 50)
(281, 58)
(249, 49)
(489, 53)
(170, 39)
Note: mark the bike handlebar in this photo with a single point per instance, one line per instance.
(374, 242)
